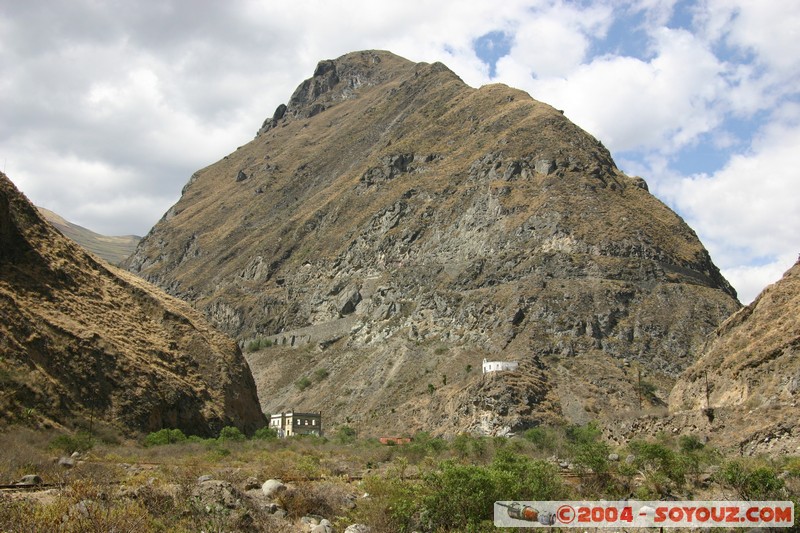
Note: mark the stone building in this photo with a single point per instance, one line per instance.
(291, 423)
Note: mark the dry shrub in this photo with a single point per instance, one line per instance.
(323, 498)
(25, 451)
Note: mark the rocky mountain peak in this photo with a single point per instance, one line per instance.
(397, 226)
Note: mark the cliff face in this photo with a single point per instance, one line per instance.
(397, 226)
(83, 340)
(749, 376)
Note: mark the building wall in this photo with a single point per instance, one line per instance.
(499, 366)
(291, 423)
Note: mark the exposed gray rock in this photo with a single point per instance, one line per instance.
(272, 487)
(218, 492)
(324, 526)
(29, 480)
(348, 301)
(357, 528)
(66, 462)
(545, 166)
(241, 176)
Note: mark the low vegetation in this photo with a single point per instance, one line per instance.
(429, 484)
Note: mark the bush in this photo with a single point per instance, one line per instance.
(542, 438)
(231, 433)
(461, 497)
(257, 344)
(303, 383)
(660, 465)
(346, 434)
(752, 482)
(393, 505)
(164, 436)
(266, 433)
(79, 442)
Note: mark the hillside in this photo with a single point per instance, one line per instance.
(112, 249)
(750, 374)
(84, 342)
(390, 227)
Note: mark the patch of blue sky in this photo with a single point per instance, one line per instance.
(627, 36)
(682, 15)
(491, 46)
(703, 157)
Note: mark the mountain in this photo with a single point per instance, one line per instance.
(390, 227)
(749, 376)
(112, 249)
(83, 341)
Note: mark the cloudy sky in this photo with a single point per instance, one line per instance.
(107, 107)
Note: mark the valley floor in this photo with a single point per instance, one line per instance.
(343, 483)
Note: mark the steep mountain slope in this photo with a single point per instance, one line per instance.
(112, 249)
(750, 374)
(396, 226)
(81, 340)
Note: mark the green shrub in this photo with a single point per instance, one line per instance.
(461, 497)
(393, 505)
(321, 373)
(80, 442)
(752, 482)
(164, 436)
(303, 383)
(346, 434)
(543, 438)
(257, 344)
(583, 434)
(660, 465)
(266, 433)
(231, 433)
(690, 443)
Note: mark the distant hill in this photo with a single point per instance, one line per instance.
(389, 227)
(84, 342)
(112, 249)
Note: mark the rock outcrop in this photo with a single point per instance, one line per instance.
(82, 340)
(398, 226)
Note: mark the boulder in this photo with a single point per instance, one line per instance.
(272, 487)
(219, 493)
(357, 528)
(29, 481)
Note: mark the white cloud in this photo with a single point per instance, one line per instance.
(662, 104)
(108, 108)
(552, 42)
(747, 212)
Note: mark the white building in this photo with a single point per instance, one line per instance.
(498, 366)
(291, 423)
